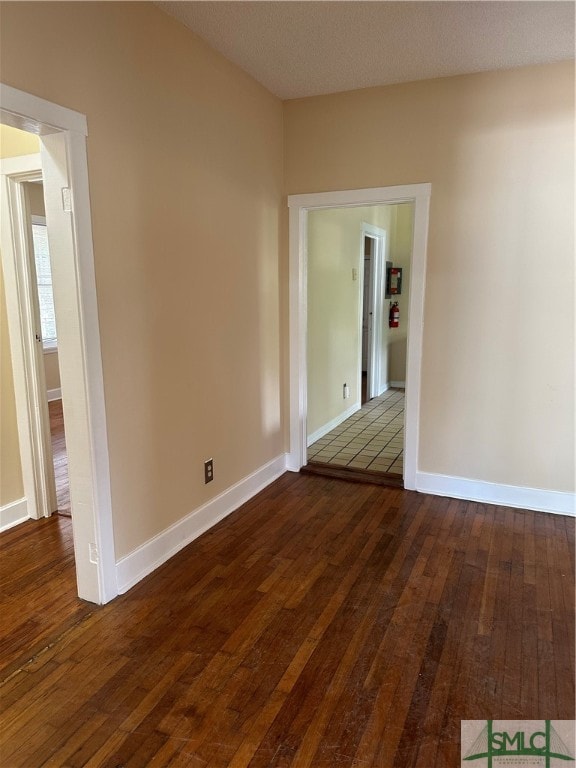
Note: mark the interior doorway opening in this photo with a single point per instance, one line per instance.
(62, 164)
(46, 330)
(303, 349)
(370, 244)
(365, 436)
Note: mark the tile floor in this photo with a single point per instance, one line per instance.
(372, 438)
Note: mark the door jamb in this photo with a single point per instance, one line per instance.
(299, 205)
(25, 336)
(62, 135)
(377, 276)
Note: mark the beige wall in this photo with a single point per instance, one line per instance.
(498, 148)
(401, 238)
(334, 305)
(11, 487)
(12, 144)
(35, 194)
(51, 370)
(185, 160)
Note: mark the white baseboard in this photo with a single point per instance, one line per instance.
(151, 555)
(13, 514)
(559, 502)
(397, 384)
(332, 424)
(54, 394)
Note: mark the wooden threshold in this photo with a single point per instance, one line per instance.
(388, 479)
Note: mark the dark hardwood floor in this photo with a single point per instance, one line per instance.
(37, 589)
(60, 457)
(323, 624)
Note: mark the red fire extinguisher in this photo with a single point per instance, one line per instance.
(394, 317)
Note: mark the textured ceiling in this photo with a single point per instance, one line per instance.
(300, 49)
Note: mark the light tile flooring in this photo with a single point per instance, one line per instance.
(372, 438)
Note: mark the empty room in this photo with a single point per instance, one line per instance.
(312, 269)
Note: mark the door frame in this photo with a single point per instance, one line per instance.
(25, 335)
(376, 303)
(62, 133)
(299, 206)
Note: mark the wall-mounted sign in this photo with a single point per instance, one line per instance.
(393, 281)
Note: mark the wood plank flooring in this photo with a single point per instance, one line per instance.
(38, 594)
(323, 624)
(60, 456)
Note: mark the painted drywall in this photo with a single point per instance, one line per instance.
(51, 370)
(186, 166)
(11, 486)
(498, 148)
(401, 237)
(335, 245)
(35, 193)
(13, 143)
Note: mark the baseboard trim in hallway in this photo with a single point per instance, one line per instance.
(536, 499)
(153, 553)
(14, 513)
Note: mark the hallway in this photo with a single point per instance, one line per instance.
(373, 438)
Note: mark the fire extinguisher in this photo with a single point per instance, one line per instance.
(394, 317)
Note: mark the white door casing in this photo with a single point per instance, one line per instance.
(62, 134)
(299, 205)
(376, 309)
(25, 334)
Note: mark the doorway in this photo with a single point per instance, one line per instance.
(367, 312)
(48, 346)
(375, 244)
(63, 165)
(299, 208)
(370, 439)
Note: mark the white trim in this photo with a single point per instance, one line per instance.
(299, 205)
(396, 385)
(354, 197)
(27, 106)
(54, 394)
(65, 165)
(335, 422)
(25, 327)
(371, 230)
(22, 164)
(156, 551)
(496, 493)
(14, 513)
(376, 301)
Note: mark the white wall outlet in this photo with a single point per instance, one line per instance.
(346, 391)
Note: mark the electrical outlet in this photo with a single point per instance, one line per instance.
(208, 471)
(346, 392)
